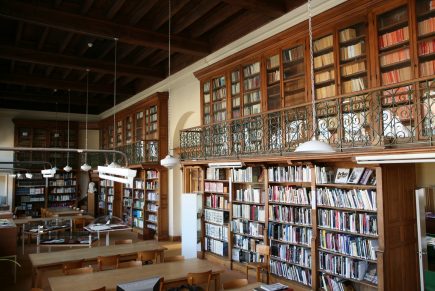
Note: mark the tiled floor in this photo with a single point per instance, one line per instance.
(24, 272)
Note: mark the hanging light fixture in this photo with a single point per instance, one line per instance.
(114, 172)
(85, 167)
(169, 161)
(56, 135)
(314, 145)
(68, 168)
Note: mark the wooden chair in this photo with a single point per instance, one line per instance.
(79, 223)
(130, 264)
(199, 278)
(123, 241)
(263, 250)
(147, 257)
(66, 267)
(234, 284)
(99, 289)
(77, 271)
(174, 259)
(107, 262)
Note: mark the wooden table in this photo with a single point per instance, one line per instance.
(63, 211)
(51, 260)
(172, 272)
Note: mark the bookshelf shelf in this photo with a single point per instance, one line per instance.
(363, 282)
(346, 186)
(347, 256)
(289, 262)
(347, 232)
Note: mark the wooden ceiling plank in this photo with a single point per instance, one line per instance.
(43, 37)
(50, 83)
(141, 10)
(66, 42)
(41, 97)
(143, 55)
(114, 9)
(272, 9)
(213, 20)
(19, 32)
(186, 19)
(72, 62)
(86, 6)
(102, 28)
(98, 77)
(162, 15)
(158, 57)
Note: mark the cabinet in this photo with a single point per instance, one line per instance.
(62, 190)
(106, 197)
(30, 194)
(328, 223)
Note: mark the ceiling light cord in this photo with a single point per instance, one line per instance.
(313, 98)
(69, 110)
(114, 98)
(87, 102)
(169, 40)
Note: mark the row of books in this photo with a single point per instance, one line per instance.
(353, 198)
(249, 174)
(110, 198)
(294, 71)
(152, 217)
(138, 204)
(328, 175)
(216, 201)
(293, 54)
(331, 283)
(286, 194)
(325, 92)
(152, 127)
(353, 85)
(342, 266)
(235, 88)
(272, 62)
(426, 26)
(291, 272)
(137, 213)
(358, 223)
(290, 214)
(69, 182)
(235, 76)
(152, 207)
(251, 69)
(106, 183)
(289, 174)
(220, 105)
(426, 47)
(108, 191)
(347, 34)
(219, 94)
(138, 184)
(242, 256)
(215, 174)
(219, 82)
(251, 97)
(354, 68)
(127, 192)
(323, 60)
(324, 76)
(206, 98)
(30, 191)
(206, 87)
(252, 109)
(152, 226)
(323, 43)
(63, 190)
(252, 212)
(250, 194)
(248, 227)
(214, 216)
(153, 196)
(291, 254)
(395, 57)
(427, 68)
(138, 194)
(216, 231)
(152, 185)
(396, 76)
(394, 37)
(245, 243)
(348, 244)
(274, 76)
(127, 202)
(352, 51)
(290, 233)
(216, 246)
(35, 199)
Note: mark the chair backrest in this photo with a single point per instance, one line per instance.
(236, 283)
(123, 241)
(72, 265)
(77, 271)
(263, 250)
(174, 259)
(130, 264)
(199, 278)
(108, 262)
(99, 289)
(147, 256)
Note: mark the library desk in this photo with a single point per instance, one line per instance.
(44, 261)
(174, 273)
(63, 211)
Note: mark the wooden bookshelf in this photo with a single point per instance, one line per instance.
(127, 204)
(251, 88)
(324, 66)
(30, 194)
(273, 88)
(426, 37)
(106, 197)
(62, 190)
(138, 203)
(236, 106)
(293, 62)
(128, 129)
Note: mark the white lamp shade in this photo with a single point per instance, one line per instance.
(169, 162)
(85, 167)
(67, 168)
(315, 147)
(13, 176)
(114, 165)
(29, 175)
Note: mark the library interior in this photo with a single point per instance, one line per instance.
(217, 144)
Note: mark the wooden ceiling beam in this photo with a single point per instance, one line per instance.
(101, 28)
(71, 62)
(46, 98)
(218, 16)
(114, 9)
(162, 15)
(43, 37)
(272, 9)
(186, 19)
(141, 10)
(49, 83)
(86, 6)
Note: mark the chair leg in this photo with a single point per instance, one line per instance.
(247, 272)
(258, 275)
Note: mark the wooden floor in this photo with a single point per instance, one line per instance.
(24, 272)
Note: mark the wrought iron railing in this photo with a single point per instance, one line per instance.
(389, 116)
(144, 151)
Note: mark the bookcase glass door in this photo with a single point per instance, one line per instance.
(273, 82)
(324, 72)
(235, 94)
(206, 102)
(128, 131)
(219, 99)
(139, 126)
(293, 62)
(251, 89)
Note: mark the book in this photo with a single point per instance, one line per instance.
(355, 176)
(366, 175)
(342, 175)
(273, 287)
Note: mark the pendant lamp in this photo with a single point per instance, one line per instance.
(169, 161)
(68, 168)
(85, 167)
(313, 146)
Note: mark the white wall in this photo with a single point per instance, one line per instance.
(93, 143)
(6, 140)
(425, 174)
